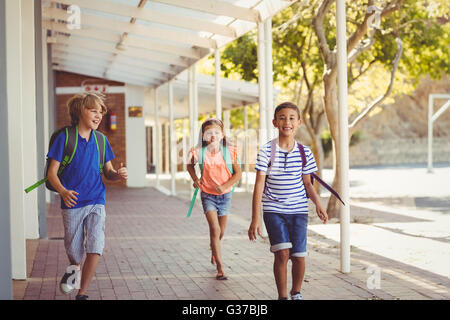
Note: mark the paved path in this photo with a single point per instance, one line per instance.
(153, 252)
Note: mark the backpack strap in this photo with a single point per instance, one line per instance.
(70, 147)
(100, 141)
(316, 177)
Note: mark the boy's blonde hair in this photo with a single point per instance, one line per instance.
(81, 101)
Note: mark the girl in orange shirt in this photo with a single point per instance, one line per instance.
(215, 183)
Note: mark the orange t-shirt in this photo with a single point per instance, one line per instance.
(215, 171)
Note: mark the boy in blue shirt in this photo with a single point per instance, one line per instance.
(82, 192)
(282, 187)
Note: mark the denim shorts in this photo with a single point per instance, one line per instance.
(84, 231)
(287, 231)
(220, 203)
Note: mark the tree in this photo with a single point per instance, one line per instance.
(399, 36)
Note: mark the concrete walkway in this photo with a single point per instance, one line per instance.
(153, 252)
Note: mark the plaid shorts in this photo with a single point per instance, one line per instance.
(84, 231)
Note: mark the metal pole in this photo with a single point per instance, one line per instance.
(246, 157)
(262, 99)
(343, 134)
(218, 89)
(269, 77)
(262, 85)
(430, 133)
(172, 144)
(157, 139)
(186, 177)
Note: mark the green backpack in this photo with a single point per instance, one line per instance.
(201, 156)
(70, 147)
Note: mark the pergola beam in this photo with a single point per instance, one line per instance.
(139, 29)
(112, 36)
(217, 8)
(105, 47)
(153, 16)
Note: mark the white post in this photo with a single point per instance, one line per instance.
(430, 133)
(343, 134)
(262, 99)
(218, 90)
(14, 95)
(262, 86)
(226, 124)
(269, 77)
(172, 144)
(185, 150)
(166, 148)
(157, 138)
(246, 156)
(195, 98)
(192, 134)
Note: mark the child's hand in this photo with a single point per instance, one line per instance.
(122, 172)
(321, 212)
(197, 183)
(254, 230)
(69, 197)
(219, 189)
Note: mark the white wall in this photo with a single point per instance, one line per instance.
(135, 138)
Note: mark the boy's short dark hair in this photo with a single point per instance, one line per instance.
(284, 105)
(86, 100)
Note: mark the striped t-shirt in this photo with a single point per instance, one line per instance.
(284, 189)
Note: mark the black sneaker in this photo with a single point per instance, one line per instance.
(70, 279)
(81, 297)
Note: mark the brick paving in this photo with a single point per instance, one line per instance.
(154, 252)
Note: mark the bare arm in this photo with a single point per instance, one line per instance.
(68, 196)
(312, 194)
(111, 174)
(255, 225)
(234, 178)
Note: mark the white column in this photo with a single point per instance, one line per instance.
(195, 98)
(262, 86)
(218, 89)
(166, 148)
(15, 136)
(262, 99)
(226, 124)
(29, 118)
(246, 154)
(343, 134)
(185, 132)
(135, 138)
(157, 138)
(6, 290)
(172, 144)
(269, 77)
(430, 133)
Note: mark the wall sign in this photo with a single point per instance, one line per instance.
(135, 112)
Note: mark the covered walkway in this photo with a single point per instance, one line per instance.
(153, 252)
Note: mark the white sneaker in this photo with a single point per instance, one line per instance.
(70, 279)
(296, 296)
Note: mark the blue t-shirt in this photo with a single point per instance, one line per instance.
(285, 191)
(83, 173)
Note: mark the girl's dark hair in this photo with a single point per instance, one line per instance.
(286, 105)
(212, 121)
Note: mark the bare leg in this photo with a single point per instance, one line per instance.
(298, 273)
(280, 271)
(89, 267)
(214, 235)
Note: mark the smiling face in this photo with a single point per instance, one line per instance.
(287, 121)
(212, 134)
(91, 117)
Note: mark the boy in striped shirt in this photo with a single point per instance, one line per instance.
(283, 187)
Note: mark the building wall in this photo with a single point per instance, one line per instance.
(115, 102)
